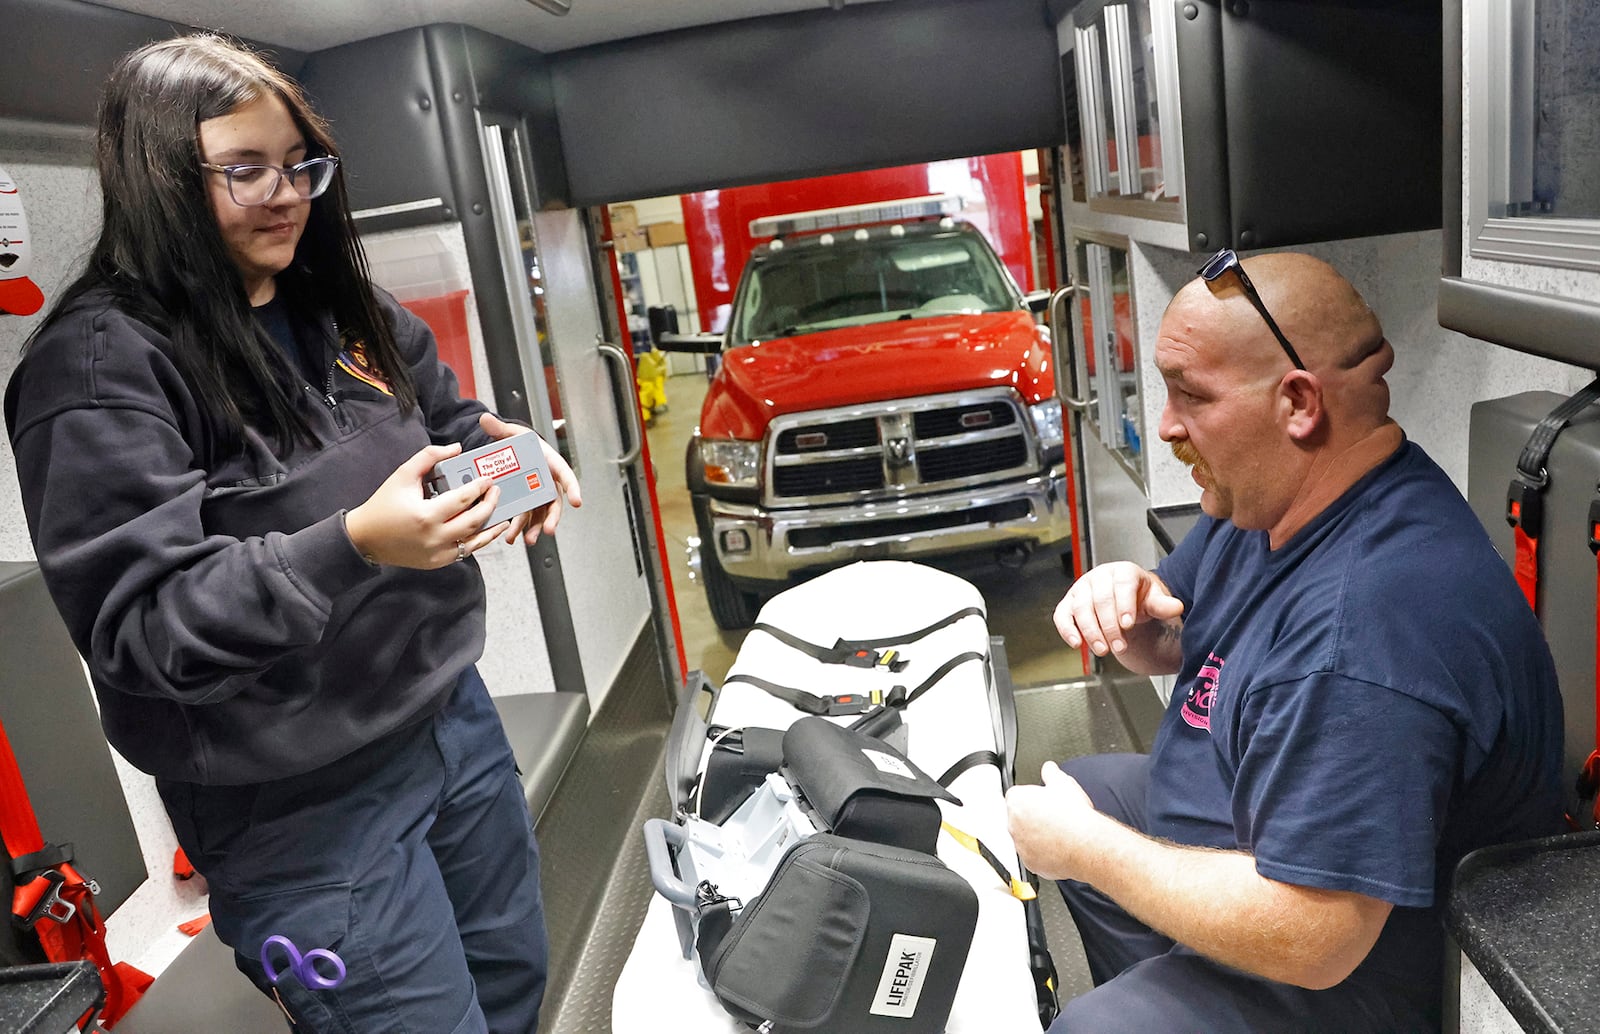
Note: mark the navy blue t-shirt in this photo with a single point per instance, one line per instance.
(1362, 706)
(276, 319)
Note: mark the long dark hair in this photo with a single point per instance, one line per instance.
(163, 260)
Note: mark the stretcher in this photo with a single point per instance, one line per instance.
(900, 625)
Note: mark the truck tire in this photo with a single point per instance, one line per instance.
(731, 607)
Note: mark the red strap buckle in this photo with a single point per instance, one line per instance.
(1525, 507)
(41, 899)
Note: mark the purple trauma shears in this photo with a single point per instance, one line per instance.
(302, 966)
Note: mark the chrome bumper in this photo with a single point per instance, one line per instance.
(1038, 516)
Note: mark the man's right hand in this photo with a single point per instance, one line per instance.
(1122, 609)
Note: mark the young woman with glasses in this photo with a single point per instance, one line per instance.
(221, 433)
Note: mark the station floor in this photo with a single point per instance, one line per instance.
(595, 878)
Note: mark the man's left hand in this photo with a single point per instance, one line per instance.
(1049, 822)
(540, 519)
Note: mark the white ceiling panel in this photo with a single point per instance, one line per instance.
(314, 24)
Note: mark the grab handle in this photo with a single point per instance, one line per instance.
(658, 835)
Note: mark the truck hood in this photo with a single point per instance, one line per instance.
(874, 363)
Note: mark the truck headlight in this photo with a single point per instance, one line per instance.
(731, 462)
(1047, 424)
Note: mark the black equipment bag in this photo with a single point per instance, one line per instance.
(848, 936)
(861, 787)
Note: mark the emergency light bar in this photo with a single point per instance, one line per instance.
(855, 215)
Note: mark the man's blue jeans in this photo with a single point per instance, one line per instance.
(1145, 982)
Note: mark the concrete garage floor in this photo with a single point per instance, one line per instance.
(1020, 601)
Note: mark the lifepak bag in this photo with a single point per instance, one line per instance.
(849, 936)
(843, 934)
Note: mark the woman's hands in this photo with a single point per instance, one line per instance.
(543, 518)
(401, 526)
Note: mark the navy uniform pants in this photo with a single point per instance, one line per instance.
(413, 858)
(1146, 982)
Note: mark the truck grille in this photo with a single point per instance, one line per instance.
(828, 478)
(966, 461)
(905, 447)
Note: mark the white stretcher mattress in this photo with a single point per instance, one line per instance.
(658, 990)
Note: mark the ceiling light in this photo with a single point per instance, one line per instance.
(553, 6)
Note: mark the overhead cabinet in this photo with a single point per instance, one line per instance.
(1255, 123)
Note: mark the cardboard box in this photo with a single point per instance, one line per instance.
(632, 240)
(664, 235)
(623, 219)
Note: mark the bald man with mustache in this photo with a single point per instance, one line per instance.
(1362, 694)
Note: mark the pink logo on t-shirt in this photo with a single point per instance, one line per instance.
(1196, 708)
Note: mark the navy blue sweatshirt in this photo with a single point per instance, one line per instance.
(233, 632)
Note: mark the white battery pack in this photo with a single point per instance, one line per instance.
(515, 464)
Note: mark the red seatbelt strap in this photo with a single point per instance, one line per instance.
(1524, 512)
(50, 896)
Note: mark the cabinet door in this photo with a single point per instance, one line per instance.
(1108, 336)
(1127, 86)
(1108, 424)
(1257, 125)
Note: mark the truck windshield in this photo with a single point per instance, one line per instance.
(850, 283)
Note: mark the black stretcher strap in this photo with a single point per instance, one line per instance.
(854, 703)
(855, 652)
(799, 699)
(944, 669)
(966, 764)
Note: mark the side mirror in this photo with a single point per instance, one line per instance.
(695, 344)
(663, 320)
(1038, 301)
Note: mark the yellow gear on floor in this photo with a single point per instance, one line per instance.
(650, 374)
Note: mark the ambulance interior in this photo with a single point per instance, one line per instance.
(524, 172)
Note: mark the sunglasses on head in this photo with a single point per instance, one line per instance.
(1227, 261)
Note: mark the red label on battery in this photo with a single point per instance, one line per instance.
(497, 464)
(534, 481)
